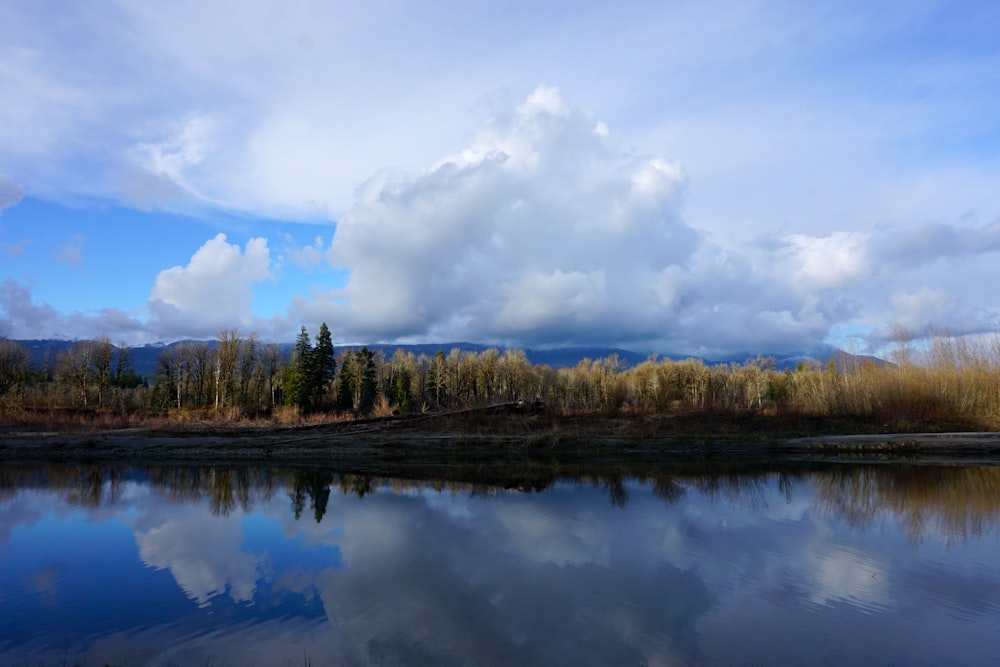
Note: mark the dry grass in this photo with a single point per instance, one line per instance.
(382, 407)
(952, 381)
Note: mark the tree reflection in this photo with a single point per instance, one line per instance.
(954, 502)
(746, 490)
(359, 485)
(616, 491)
(311, 484)
(668, 490)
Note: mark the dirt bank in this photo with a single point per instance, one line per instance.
(498, 440)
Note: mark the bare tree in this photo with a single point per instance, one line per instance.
(226, 358)
(75, 366)
(102, 355)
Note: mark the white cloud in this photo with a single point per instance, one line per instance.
(536, 229)
(545, 226)
(537, 301)
(253, 106)
(203, 568)
(769, 106)
(21, 317)
(213, 292)
(542, 231)
(186, 148)
(544, 101)
(918, 311)
(305, 256)
(829, 262)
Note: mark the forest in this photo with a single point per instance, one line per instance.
(946, 382)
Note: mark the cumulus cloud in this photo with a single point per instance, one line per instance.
(22, 317)
(544, 230)
(213, 292)
(540, 230)
(544, 227)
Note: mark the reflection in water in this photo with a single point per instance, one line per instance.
(316, 486)
(662, 565)
(951, 501)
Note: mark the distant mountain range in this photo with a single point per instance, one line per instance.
(145, 358)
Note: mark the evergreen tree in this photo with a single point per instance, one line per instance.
(311, 371)
(298, 385)
(368, 380)
(348, 382)
(324, 366)
(400, 381)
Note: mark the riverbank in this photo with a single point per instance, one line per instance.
(502, 439)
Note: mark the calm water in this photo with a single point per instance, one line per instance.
(226, 566)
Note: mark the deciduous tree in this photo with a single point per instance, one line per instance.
(14, 365)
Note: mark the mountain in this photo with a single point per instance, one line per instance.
(145, 358)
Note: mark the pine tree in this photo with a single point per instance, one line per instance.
(369, 380)
(347, 382)
(324, 367)
(297, 388)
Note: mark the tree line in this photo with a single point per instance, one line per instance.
(241, 377)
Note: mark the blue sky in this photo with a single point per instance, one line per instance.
(684, 177)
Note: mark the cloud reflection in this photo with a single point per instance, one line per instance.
(402, 572)
(203, 554)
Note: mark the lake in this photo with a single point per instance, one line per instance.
(741, 564)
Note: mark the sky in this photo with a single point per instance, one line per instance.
(700, 178)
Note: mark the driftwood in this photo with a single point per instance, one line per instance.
(519, 406)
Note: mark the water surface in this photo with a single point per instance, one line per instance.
(844, 565)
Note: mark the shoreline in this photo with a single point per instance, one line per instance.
(399, 445)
